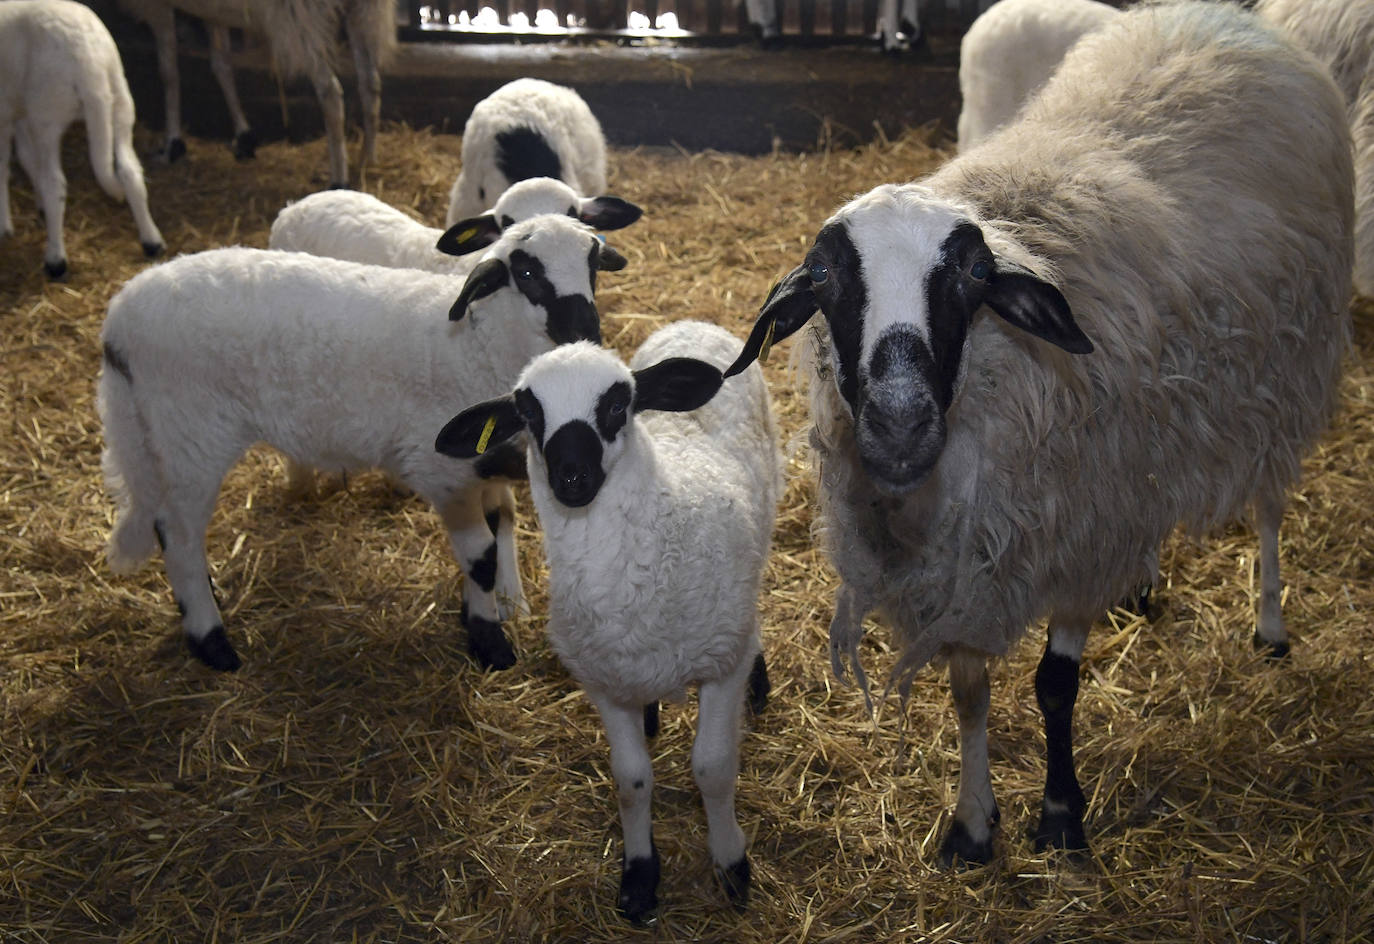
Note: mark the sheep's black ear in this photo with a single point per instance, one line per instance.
(789, 305)
(1036, 306)
(608, 260)
(469, 235)
(608, 212)
(676, 385)
(478, 428)
(487, 277)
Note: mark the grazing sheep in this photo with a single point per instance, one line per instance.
(1180, 194)
(302, 35)
(527, 128)
(656, 527)
(340, 366)
(348, 224)
(1340, 33)
(58, 63)
(1010, 51)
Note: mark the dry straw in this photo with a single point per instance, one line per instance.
(359, 780)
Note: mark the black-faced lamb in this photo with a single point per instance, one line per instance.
(657, 527)
(527, 128)
(1165, 238)
(303, 36)
(339, 366)
(58, 63)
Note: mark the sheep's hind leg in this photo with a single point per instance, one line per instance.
(474, 546)
(39, 149)
(634, 782)
(1056, 691)
(1271, 636)
(181, 532)
(498, 504)
(715, 764)
(245, 141)
(975, 813)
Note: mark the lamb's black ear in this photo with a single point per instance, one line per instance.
(478, 428)
(1036, 306)
(469, 235)
(676, 384)
(608, 212)
(487, 277)
(789, 305)
(608, 260)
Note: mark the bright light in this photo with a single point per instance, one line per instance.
(487, 18)
(667, 21)
(637, 20)
(546, 20)
(520, 21)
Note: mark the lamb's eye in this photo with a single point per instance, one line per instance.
(524, 273)
(617, 408)
(818, 273)
(981, 270)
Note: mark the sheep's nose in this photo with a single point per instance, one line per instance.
(573, 455)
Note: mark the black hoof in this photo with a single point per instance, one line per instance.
(1273, 651)
(959, 847)
(245, 145)
(638, 900)
(56, 270)
(759, 686)
(153, 250)
(651, 720)
(214, 650)
(487, 642)
(175, 151)
(735, 880)
(1062, 829)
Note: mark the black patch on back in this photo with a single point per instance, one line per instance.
(532, 412)
(843, 298)
(952, 297)
(522, 153)
(613, 409)
(117, 362)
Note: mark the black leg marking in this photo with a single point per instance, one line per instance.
(152, 250)
(161, 535)
(56, 270)
(1273, 651)
(759, 686)
(483, 569)
(638, 899)
(651, 720)
(735, 880)
(486, 641)
(214, 650)
(958, 846)
(494, 520)
(176, 150)
(1061, 811)
(245, 145)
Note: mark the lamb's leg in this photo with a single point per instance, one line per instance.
(130, 173)
(498, 504)
(715, 764)
(330, 94)
(634, 781)
(180, 529)
(975, 813)
(474, 546)
(39, 149)
(6, 141)
(162, 21)
(1271, 635)
(1056, 690)
(363, 40)
(245, 141)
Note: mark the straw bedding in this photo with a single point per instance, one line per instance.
(360, 780)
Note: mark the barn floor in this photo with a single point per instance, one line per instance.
(360, 780)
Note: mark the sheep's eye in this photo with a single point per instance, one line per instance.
(818, 273)
(524, 273)
(981, 270)
(617, 408)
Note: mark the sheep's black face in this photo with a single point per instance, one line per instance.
(572, 457)
(898, 303)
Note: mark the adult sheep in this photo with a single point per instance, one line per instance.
(1171, 278)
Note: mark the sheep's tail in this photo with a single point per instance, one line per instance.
(100, 97)
(132, 475)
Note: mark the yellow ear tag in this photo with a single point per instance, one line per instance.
(767, 341)
(486, 434)
(467, 234)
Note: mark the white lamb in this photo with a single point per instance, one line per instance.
(57, 64)
(348, 224)
(1009, 53)
(1164, 236)
(340, 366)
(656, 527)
(527, 128)
(303, 36)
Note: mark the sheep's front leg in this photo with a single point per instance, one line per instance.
(1271, 635)
(245, 141)
(715, 764)
(474, 546)
(975, 814)
(162, 21)
(498, 504)
(330, 93)
(634, 781)
(6, 139)
(1056, 690)
(362, 39)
